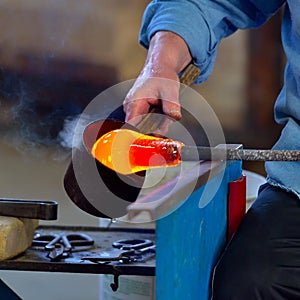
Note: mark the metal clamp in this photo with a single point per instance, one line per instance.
(31, 209)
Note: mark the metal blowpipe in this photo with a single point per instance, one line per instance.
(192, 153)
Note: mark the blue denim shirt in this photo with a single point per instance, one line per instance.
(203, 24)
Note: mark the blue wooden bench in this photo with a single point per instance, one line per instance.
(195, 215)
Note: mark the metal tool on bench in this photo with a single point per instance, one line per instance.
(127, 244)
(31, 209)
(126, 250)
(143, 249)
(61, 245)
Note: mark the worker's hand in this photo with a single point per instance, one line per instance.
(158, 82)
(153, 88)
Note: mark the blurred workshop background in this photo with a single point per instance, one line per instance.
(56, 56)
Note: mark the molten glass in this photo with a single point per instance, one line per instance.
(127, 151)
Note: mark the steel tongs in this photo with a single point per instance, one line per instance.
(61, 245)
(125, 251)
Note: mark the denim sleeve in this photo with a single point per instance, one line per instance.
(203, 23)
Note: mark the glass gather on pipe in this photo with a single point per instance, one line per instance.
(127, 151)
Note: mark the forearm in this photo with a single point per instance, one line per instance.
(203, 24)
(167, 52)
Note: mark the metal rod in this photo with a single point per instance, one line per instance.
(193, 153)
(32, 209)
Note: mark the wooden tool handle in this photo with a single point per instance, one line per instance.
(189, 74)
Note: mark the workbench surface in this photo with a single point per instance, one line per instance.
(36, 259)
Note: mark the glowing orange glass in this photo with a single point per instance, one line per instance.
(127, 151)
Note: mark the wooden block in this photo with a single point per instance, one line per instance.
(16, 235)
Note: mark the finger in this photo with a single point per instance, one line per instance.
(170, 103)
(172, 109)
(136, 109)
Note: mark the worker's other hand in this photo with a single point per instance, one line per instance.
(158, 83)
